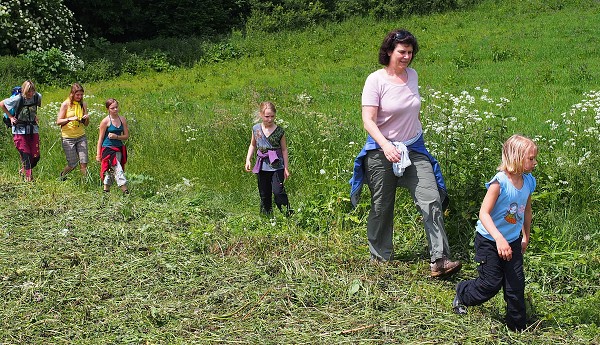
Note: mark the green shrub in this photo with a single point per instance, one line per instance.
(38, 26)
(571, 176)
(54, 66)
(177, 52)
(13, 71)
(219, 52)
(136, 64)
(97, 70)
(272, 16)
(142, 20)
(286, 15)
(465, 130)
(159, 62)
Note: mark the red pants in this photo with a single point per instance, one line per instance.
(28, 146)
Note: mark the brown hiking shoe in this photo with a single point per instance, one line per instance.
(443, 267)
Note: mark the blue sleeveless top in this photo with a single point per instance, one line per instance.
(116, 130)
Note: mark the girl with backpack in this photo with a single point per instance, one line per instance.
(73, 118)
(24, 126)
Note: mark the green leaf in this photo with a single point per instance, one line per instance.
(354, 287)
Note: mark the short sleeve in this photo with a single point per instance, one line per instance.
(370, 94)
(497, 178)
(531, 182)
(11, 102)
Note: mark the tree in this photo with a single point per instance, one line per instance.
(130, 20)
(27, 25)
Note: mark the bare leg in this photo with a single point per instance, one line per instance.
(124, 189)
(66, 170)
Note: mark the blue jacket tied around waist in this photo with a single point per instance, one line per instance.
(357, 180)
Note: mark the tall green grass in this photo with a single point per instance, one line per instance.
(187, 258)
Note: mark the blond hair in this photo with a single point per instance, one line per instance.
(514, 150)
(262, 107)
(267, 105)
(27, 86)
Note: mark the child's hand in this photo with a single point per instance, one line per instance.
(248, 166)
(524, 244)
(504, 249)
(286, 173)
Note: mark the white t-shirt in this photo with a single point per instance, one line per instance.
(398, 104)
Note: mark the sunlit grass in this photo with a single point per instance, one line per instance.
(187, 259)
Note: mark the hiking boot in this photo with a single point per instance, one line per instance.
(458, 306)
(444, 267)
(376, 260)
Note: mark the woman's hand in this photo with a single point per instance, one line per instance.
(391, 153)
(112, 136)
(248, 166)
(98, 158)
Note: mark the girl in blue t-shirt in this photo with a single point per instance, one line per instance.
(502, 234)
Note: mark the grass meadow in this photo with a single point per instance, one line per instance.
(186, 258)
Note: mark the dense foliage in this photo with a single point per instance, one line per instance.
(27, 25)
(130, 20)
(159, 35)
(275, 15)
(122, 21)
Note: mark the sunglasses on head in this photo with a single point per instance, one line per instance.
(401, 36)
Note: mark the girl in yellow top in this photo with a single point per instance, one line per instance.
(73, 118)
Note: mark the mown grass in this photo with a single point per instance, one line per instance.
(122, 270)
(187, 259)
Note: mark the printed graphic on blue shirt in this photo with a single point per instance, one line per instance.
(514, 213)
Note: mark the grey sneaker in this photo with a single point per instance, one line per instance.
(458, 306)
(444, 267)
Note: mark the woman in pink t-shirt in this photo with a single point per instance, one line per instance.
(390, 112)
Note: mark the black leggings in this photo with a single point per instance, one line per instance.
(271, 182)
